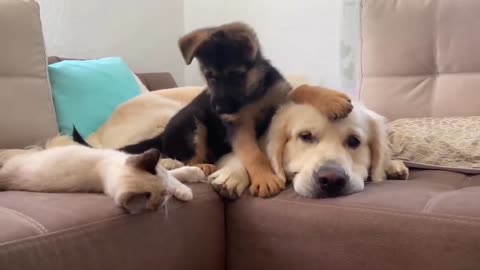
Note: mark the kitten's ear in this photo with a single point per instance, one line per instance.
(190, 42)
(146, 161)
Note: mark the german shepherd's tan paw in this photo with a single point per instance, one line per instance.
(266, 185)
(337, 105)
(206, 168)
(334, 104)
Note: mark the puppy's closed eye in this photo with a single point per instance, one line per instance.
(352, 142)
(307, 137)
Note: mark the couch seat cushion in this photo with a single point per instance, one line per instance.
(87, 231)
(429, 222)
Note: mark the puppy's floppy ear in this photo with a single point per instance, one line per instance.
(190, 42)
(277, 137)
(379, 147)
(333, 104)
(146, 161)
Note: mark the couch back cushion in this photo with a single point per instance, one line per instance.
(27, 114)
(421, 58)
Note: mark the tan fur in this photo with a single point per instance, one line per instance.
(137, 119)
(300, 159)
(267, 178)
(183, 95)
(145, 116)
(296, 160)
(252, 80)
(263, 181)
(379, 150)
(206, 168)
(200, 142)
(332, 103)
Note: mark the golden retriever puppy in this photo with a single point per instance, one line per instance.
(323, 158)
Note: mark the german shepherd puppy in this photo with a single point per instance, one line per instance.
(243, 92)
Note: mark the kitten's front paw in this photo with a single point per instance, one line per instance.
(170, 164)
(182, 192)
(188, 174)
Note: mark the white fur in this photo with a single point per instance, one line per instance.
(76, 168)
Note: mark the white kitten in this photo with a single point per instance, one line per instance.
(135, 182)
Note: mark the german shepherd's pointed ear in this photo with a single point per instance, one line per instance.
(190, 42)
(243, 34)
(146, 161)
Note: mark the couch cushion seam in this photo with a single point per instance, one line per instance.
(30, 220)
(423, 74)
(431, 202)
(93, 223)
(388, 211)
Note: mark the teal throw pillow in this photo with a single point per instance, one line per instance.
(86, 92)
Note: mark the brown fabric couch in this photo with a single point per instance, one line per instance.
(419, 58)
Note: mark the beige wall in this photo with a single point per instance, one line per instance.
(300, 37)
(143, 32)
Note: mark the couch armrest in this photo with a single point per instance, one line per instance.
(158, 80)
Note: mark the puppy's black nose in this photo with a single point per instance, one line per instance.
(331, 179)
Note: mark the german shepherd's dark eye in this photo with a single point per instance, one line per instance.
(208, 74)
(307, 137)
(352, 142)
(210, 77)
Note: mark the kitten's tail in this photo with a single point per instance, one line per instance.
(7, 154)
(77, 137)
(138, 148)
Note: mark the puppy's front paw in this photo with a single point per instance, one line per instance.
(397, 170)
(337, 105)
(333, 104)
(377, 176)
(229, 183)
(206, 168)
(266, 185)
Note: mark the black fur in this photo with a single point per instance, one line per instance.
(177, 139)
(227, 60)
(79, 138)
